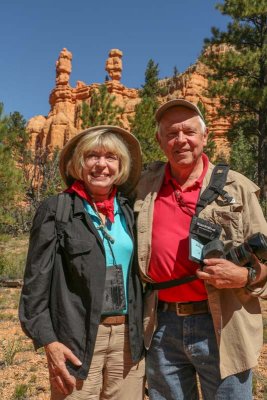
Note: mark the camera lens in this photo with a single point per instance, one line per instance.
(258, 244)
(213, 249)
(240, 255)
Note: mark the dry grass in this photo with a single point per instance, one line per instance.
(23, 371)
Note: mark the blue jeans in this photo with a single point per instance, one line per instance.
(183, 347)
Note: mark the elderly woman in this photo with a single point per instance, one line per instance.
(82, 299)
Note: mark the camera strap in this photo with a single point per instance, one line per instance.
(215, 188)
(170, 283)
(212, 191)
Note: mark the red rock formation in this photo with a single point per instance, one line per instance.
(63, 120)
(114, 64)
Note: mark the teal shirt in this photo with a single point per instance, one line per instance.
(122, 246)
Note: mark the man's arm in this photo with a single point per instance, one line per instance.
(223, 274)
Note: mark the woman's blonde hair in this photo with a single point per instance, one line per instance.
(100, 139)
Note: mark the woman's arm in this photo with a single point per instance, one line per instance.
(34, 311)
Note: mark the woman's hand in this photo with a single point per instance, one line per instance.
(57, 354)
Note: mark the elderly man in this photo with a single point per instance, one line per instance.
(202, 317)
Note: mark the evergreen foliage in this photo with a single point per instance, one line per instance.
(151, 89)
(243, 156)
(143, 125)
(25, 179)
(45, 179)
(210, 148)
(102, 109)
(11, 177)
(239, 76)
(18, 137)
(175, 72)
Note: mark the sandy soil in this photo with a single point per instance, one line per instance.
(23, 373)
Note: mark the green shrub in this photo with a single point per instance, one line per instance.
(13, 253)
(254, 384)
(20, 392)
(4, 237)
(7, 317)
(12, 266)
(3, 263)
(10, 349)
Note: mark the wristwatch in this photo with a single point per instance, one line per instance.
(252, 276)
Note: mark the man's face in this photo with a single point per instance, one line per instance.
(181, 136)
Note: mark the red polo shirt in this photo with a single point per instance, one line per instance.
(170, 239)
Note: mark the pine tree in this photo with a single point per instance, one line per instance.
(102, 109)
(11, 177)
(151, 87)
(143, 126)
(239, 75)
(175, 72)
(24, 177)
(18, 138)
(247, 164)
(45, 179)
(210, 148)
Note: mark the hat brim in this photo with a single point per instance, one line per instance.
(174, 103)
(128, 139)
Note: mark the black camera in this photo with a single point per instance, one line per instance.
(256, 244)
(213, 249)
(202, 233)
(240, 255)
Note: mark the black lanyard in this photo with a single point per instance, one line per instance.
(180, 201)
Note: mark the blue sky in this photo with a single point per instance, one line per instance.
(33, 33)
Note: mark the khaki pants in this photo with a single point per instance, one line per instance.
(112, 375)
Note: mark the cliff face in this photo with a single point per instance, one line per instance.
(63, 121)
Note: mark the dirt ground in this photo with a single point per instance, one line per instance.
(23, 373)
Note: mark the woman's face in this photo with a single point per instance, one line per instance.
(101, 168)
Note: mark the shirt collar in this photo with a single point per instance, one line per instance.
(198, 183)
(92, 212)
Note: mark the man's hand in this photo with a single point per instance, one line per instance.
(57, 354)
(223, 274)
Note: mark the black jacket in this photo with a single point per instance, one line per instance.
(64, 282)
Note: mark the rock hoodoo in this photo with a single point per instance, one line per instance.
(63, 120)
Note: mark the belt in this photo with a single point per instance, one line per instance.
(190, 308)
(114, 319)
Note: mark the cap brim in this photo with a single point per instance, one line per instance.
(174, 103)
(129, 139)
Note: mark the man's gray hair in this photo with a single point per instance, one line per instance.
(202, 123)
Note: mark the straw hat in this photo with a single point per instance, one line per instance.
(127, 138)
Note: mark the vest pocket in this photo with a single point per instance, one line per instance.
(231, 223)
(77, 246)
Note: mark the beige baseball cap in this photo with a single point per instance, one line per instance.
(176, 102)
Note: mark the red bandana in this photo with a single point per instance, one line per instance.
(106, 207)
